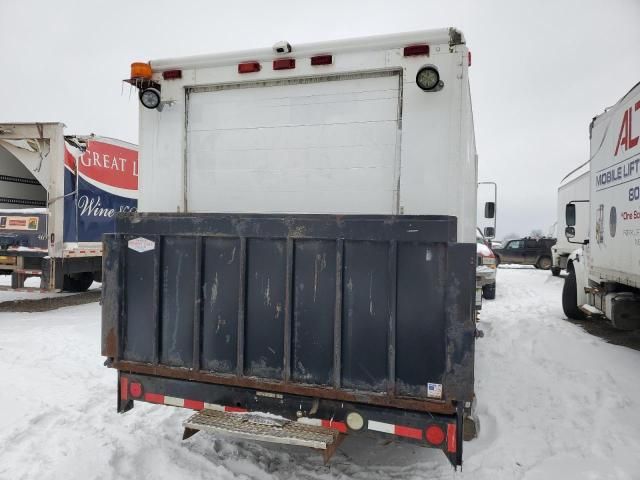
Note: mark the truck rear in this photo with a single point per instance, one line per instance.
(306, 243)
(58, 194)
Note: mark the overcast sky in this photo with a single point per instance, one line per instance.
(541, 69)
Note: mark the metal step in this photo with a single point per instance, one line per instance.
(590, 310)
(256, 426)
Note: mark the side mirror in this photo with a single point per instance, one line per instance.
(489, 232)
(489, 210)
(569, 232)
(570, 215)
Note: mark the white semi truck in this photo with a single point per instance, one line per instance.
(574, 187)
(604, 274)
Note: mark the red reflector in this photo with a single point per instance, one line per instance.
(172, 74)
(412, 50)
(451, 438)
(235, 409)
(409, 432)
(154, 397)
(322, 60)
(135, 389)
(469, 57)
(284, 63)
(435, 435)
(248, 67)
(340, 426)
(124, 382)
(194, 404)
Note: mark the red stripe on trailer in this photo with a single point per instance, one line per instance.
(153, 398)
(451, 438)
(194, 404)
(235, 409)
(340, 426)
(408, 432)
(124, 388)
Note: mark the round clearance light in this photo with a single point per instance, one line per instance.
(135, 389)
(355, 421)
(150, 98)
(428, 79)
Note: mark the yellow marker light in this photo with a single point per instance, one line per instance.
(140, 70)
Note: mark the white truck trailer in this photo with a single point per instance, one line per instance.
(604, 275)
(574, 187)
(58, 194)
(306, 236)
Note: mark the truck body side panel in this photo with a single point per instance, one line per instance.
(100, 182)
(614, 247)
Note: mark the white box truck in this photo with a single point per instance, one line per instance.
(604, 275)
(305, 245)
(574, 187)
(58, 194)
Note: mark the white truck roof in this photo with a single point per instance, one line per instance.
(375, 42)
(574, 174)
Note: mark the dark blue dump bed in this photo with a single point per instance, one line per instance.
(377, 309)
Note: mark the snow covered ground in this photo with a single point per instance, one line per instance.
(554, 402)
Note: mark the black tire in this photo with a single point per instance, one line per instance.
(555, 271)
(489, 291)
(544, 263)
(77, 282)
(570, 297)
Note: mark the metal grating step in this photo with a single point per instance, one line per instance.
(255, 426)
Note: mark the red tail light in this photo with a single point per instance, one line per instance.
(434, 435)
(172, 74)
(451, 438)
(322, 60)
(469, 57)
(284, 63)
(135, 389)
(248, 67)
(413, 50)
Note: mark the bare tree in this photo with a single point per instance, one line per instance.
(510, 236)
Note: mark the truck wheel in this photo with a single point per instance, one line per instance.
(555, 271)
(77, 282)
(570, 298)
(489, 291)
(544, 263)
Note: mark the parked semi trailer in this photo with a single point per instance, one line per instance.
(574, 187)
(604, 272)
(58, 194)
(305, 245)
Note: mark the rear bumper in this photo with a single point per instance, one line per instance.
(389, 423)
(485, 275)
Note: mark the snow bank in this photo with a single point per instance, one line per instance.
(554, 403)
